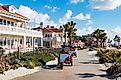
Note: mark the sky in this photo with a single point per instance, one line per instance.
(88, 14)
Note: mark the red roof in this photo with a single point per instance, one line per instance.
(49, 29)
(4, 9)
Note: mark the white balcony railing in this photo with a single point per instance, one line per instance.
(58, 39)
(47, 39)
(19, 31)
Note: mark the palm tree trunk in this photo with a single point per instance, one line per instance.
(70, 41)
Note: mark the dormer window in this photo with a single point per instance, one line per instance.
(12, 8)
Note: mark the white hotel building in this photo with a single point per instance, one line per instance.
(15, 30)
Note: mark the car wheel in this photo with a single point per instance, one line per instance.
(61, 65)
(71, 63)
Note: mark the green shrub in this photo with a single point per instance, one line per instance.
(2, 68)
(27, 59)
(114, 70)
(7, 67)
(30, 65)
(110, 56)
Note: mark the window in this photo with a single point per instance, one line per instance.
(12, 41)
(50, 35)
(8, 41)
(59, 35)
(20, 41)
(15, 24)
(8, 23)
(12, 23)
(45, 35)
(4, 22)
(0, 21)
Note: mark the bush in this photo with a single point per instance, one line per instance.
(27, 59)
(2, 68)
(30, 65)
(7, 67)
(114, 70)
(110, 56)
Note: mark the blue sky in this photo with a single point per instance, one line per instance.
(88, 14)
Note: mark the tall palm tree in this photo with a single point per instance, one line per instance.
(69, 27)
(116, 39)
(109, 42)
(103, 39)
(100, 34)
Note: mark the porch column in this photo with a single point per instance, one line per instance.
(6, 41)
(24, 41)
(41, 43)
(33, 41)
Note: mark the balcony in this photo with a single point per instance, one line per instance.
(48, 39)
(10, 30)
(58, 39)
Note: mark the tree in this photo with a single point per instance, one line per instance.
(109, 42)
(69, 27)
(103, 38)
(100, 35)
(117, 40)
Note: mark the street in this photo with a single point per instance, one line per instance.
(84, 68)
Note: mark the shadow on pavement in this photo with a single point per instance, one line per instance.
(89, 75)
(90, 62)
(104, 70)
(52, 67)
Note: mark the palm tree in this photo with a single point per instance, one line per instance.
(103, 38)
(117, 39)
(100, 34)
(69, 27)
(109, 42)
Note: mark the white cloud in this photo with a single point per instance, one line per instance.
(35, 16)
(76, 1)
(66, 17)
(85, 30)
(81, 16)
(104, 4)
(52, 9)
(89, 23)
(117, 30)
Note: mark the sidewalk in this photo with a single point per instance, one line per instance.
(86, 67)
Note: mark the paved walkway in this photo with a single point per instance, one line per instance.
(84, 69)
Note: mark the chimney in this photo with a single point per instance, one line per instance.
(48, 26)
(41, 24)
(52, 27)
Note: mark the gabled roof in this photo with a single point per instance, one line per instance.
(4, 9)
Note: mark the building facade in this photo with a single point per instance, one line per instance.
(15, 30)
(52, 37)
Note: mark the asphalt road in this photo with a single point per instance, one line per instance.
(83, 69)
